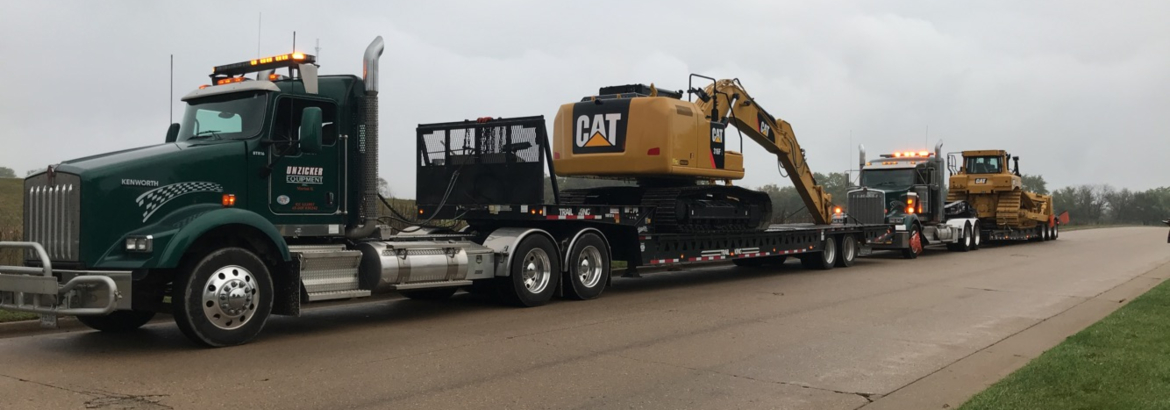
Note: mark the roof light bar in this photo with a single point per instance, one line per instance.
(261, 64)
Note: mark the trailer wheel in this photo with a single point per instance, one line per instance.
(429, 294)
(224, 298)
(848, 247)
(976, 238)
(1055, 231)
(915, 248)
(119, 321)
(823, 260)
(533, 275)
(589, 268)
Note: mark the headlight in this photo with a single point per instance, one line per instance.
(140, 244)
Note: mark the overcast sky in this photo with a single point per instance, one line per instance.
(1078, 89)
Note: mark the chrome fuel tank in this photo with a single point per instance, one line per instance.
(388, 266)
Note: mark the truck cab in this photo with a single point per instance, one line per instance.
(907, 189)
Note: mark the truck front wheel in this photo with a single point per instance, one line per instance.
(915, 248)
(119, 321)
(223, 298)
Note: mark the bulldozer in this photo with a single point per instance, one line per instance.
(994, 193)
(678, 153)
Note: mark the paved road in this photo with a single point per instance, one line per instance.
(717, 337)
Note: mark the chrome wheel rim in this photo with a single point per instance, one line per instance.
(229, 297)
(536, 271)
(830, 251)
(589, 267)
(850, 249)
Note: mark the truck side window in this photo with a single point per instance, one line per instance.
(286, 126)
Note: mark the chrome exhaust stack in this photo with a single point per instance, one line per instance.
(368, 144)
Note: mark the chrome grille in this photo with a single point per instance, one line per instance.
(867, 207)
(52, 215)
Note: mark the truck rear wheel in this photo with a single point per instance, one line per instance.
(223, 298)
(1055, 231)
(533, 275)
(823, 260)
(119, 321)
(589, 268)
(964, 243)
(848, 246)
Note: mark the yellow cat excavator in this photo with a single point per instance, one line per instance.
(676, 151)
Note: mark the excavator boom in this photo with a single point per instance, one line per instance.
(728, 101)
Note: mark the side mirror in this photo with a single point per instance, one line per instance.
(311, 131)
(173, 133)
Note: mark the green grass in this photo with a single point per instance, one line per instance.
(1121, 362)
(11, 212)
(10, 316)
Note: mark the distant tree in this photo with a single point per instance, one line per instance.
(6, 172)
(1035, 183)
(384, 188)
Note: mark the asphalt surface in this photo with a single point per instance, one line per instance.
(715, 337)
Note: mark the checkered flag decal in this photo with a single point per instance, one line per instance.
(154, 199)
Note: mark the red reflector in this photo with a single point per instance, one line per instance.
(653, 151)
(556, 155)
(482, 120)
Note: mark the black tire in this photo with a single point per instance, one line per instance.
(760, 261)
(913, 251)
(847, 245)
(539, 255)
(589, 268)
(977, 238)
(429, 294)
(963, 245)
(823, 260)
(119, 321)
(238, 281)
(1055, 232)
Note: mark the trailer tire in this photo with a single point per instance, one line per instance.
(239, 288)
(589, 268)
(533, 274)
(429, 294)
(848, 247)
(120, 321)
(915, 248)
(976, 238)
(823, 260)
(1055, 231)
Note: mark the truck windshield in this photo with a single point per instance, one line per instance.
(233, 116)
(888, 178)
(983, 165)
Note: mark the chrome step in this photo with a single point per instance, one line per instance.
(329, 271)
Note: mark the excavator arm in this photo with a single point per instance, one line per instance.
(726, 101)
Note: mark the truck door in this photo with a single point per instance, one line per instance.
(302, 183)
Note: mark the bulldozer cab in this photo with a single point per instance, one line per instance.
(985, 162)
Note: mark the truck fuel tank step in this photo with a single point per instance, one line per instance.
(329, 271)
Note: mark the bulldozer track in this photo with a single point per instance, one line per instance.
(1008, 211)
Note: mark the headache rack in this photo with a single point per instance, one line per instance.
(471, 165)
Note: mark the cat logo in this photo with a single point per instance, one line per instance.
(600, 128)
(765, 128)
(597, 134)
(717, 135)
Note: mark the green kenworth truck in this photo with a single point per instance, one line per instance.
(264, 199)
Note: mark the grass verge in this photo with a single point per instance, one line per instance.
(10, 316)
(1121, 362)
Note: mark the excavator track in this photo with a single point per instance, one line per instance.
(1008, 211)
(691, 209)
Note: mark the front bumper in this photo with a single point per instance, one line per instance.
(892, 240)
(52, 292)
